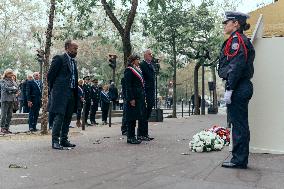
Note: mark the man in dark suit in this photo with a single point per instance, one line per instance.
(26, 109)
(63, 85)
(34, 94)
(95, 96)
(87, 97)
(148, 71)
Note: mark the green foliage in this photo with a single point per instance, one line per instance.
(16, 48)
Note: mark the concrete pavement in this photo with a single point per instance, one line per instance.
(103, 160)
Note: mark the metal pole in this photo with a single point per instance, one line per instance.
(189, 107)
(109, 114)
(203, 91)
(186, 94)
(113, 75)
(181, 107)
(83, 115)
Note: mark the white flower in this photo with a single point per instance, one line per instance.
(206, 140)
(199, 149)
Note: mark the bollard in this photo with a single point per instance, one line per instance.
(83, 115)
(181, 107)
(109, 114)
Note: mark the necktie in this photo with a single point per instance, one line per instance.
(72, 62)
(38, 84)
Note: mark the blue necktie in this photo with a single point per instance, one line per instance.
(72, 62)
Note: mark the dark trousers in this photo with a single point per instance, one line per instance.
(94, 109)
(61, 122)
(21, 105)
(79, 110)
(238, 113)
(6, 114)
(104, 115)
(26, 109)
(131, 128)
(114, 105)
(124, 122)
(87, 110)
(33, 115)
(143, 124)
(51, 116)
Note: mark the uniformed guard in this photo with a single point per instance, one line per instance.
(236, 67)
(87, 97)
(95, 96)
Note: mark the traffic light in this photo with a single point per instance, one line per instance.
(112, 61)
(40, 54)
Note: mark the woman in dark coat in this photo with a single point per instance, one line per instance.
(105, 101)
(134, 96)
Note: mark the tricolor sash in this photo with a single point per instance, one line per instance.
(137, 73)
(105, 94)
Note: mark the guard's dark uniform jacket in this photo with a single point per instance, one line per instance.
(236, 67)
(95, 96)
(87, 98)
(87, 92)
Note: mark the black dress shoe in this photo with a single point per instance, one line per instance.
(67, 144)
(234, 166)
(145, 138)
(56, 146)
(33, 130)
(133, 141)
(94, 123)
(151, 138)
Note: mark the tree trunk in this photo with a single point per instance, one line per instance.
(215, 100)
(174, 77)
(126, 48)
(196, 91)
(44, 116)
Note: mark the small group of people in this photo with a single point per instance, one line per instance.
(93, 96)
(67, 95)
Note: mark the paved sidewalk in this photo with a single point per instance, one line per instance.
(103, 160)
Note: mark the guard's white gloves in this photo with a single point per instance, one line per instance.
(227, 96)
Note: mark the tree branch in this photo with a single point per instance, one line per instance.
(131, 16)
(112, 17)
